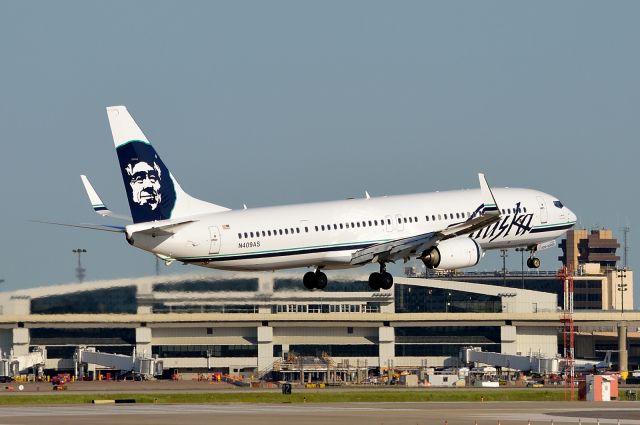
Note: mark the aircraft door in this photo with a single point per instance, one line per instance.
(214, 232)
(388, 219)
(544, 215)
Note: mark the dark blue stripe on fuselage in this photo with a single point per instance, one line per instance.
(277, 254)
(552, 228)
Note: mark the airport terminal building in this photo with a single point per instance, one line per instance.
(256, 324)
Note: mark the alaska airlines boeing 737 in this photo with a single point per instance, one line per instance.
(446, 230)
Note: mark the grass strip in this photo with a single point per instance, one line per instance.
(321, 396)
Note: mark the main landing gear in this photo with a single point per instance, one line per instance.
(381, 280)
(315, 280)
(533, 262)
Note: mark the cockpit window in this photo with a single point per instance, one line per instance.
(558, 204)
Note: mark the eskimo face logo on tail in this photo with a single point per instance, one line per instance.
(145, 183)
(149, 186)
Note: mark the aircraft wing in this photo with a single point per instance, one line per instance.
(415, 246)
(98, 206)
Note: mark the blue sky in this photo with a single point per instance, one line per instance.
(267, 103)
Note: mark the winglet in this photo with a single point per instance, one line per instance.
(98, 206)
(490, 206)
(96, 202)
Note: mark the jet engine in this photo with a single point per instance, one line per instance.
(452, 254)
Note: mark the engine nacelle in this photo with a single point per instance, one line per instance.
(453, 254)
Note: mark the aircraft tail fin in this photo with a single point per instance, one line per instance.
(152, 191)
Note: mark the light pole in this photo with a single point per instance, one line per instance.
(503, 254)
(522, 250)
(622, 286)
(80, 271)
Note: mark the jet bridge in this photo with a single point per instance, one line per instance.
(531, 363)
(140, 365)
(12, 365)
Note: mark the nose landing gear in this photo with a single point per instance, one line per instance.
(533, 262)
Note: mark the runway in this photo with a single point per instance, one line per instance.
(454, 413)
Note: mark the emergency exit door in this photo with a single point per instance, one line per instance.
(544, 215)
(214, 233)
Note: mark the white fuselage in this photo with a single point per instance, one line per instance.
(325, 234)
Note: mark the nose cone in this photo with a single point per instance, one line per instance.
(571, 217)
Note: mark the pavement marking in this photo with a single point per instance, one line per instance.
(181, 409)
(546, 418)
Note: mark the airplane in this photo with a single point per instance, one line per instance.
(445, 230)
(581, 365)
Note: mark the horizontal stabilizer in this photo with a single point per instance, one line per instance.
(105, 228)
(165, 228)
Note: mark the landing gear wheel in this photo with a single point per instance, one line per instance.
(309, 280)
(535, 263)
(321, 280)
(375, 281)
(386, 281)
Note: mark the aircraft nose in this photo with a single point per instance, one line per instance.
(571, 217)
